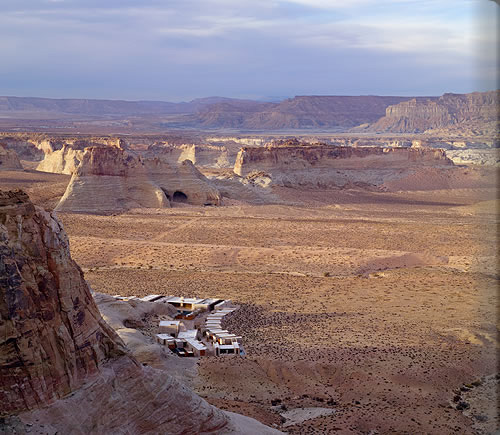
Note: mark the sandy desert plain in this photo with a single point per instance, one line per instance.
(361, 311)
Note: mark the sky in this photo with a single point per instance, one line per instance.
(178, 50)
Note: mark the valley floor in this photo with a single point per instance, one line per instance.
(375, 306)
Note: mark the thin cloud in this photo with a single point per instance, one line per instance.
(230, 48)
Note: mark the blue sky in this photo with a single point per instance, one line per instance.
(183, 49)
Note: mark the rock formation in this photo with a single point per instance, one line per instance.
(62, 161)
(325, 165)
(62, 368)
(211, 156)
(475, 113)
(112, 179)
(37, 147)
(52, 335)
(183, 182)
(9, 160)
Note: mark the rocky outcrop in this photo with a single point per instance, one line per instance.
(325, 165)
(473, 112)
(36, 147)
(52, 337)
(31, 149)
(62, 368)
(9, 160)
(62, 161)
(183, 182)
(111, 179)
(211, 156)
(472, 157)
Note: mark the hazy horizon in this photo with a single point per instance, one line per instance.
(262, 99)
(259, 49)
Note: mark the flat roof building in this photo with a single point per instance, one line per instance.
(170, 327)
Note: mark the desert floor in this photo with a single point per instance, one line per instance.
(366, 311)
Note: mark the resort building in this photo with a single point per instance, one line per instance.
(226, 349)
(170, 327)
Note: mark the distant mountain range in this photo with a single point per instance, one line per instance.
(75, 106)
(477, 111)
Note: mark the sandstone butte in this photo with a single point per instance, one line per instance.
(293, 164)
(113, 179)
(62, 368)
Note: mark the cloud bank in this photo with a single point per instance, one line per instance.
(165, 50)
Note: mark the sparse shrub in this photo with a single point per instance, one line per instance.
(326, 274)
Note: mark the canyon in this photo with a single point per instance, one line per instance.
(356, 234)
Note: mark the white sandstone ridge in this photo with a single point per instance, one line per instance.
(35, 147)
(249, 141)
(9, 160)
(62, 161)
(324, 165)
(112, 179)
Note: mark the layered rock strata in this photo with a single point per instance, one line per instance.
(475, 113)
(52, 337)
(326, 165)
(112, 179)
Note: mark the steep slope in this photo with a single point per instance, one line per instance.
(52, 335)
(62, 368)
(475, 113)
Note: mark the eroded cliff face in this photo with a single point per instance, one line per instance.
(62, 161)
(476, 111)
(285, 158)
(9, 160)
(52, 337)
(327, 165)
(211, 156)
(112, 179)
